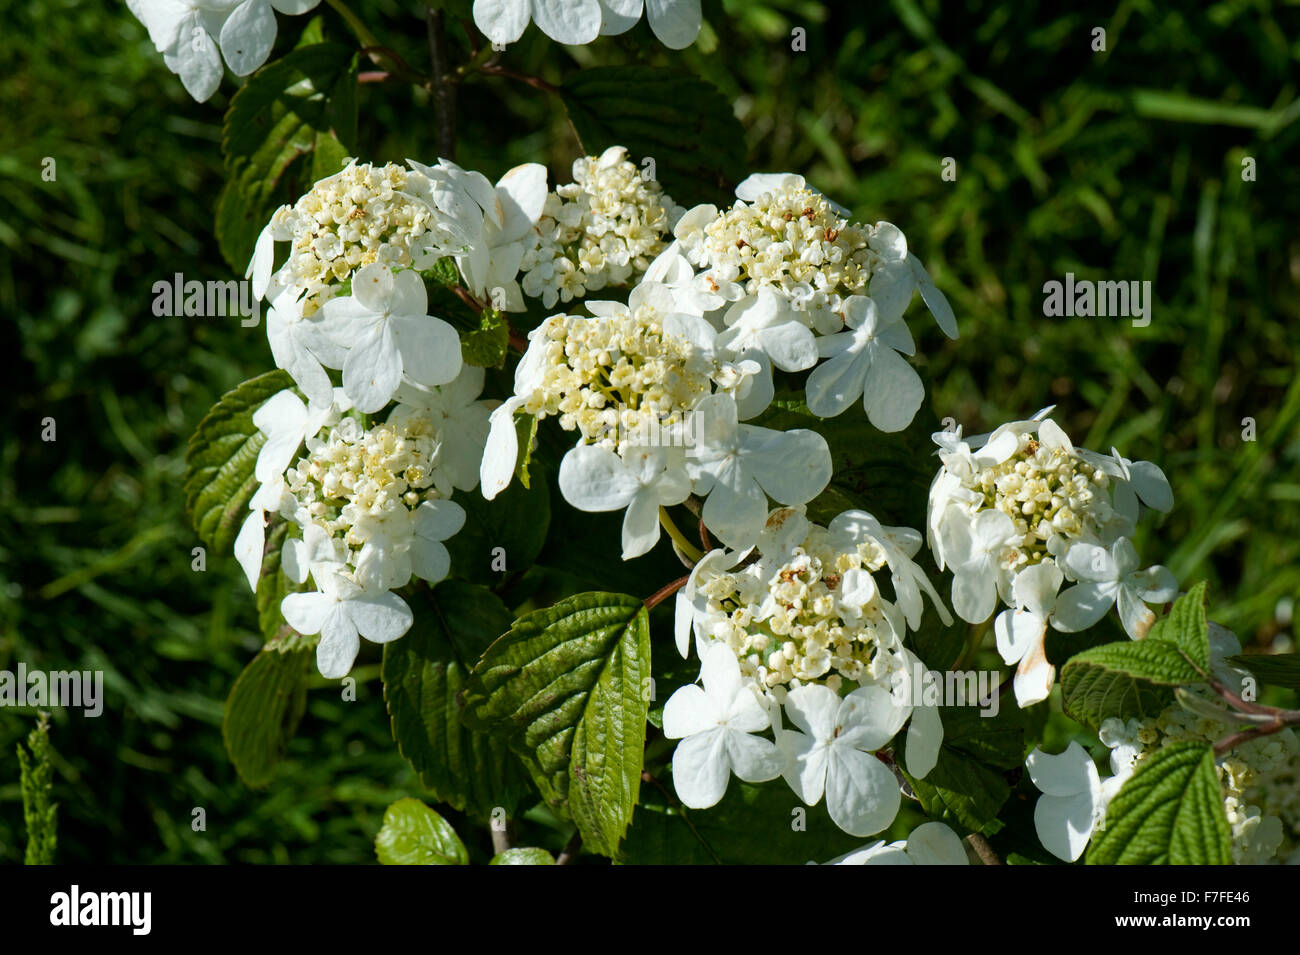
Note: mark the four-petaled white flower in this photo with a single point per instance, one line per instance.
(734, 464)
(834, 753)
(867, 362)
(644, 479)
(341, 612)
(388, 334)
(716, 725)
(1107, 576)
(758, 324)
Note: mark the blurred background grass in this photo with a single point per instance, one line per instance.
(1123, 164)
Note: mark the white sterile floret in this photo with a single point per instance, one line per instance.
(834, 754)
(865, 361)
(188, 32)
(387, 334)
(341, 611)
(716, 725)
(1074, 800)
(739, 465)
(644, 479)
(675, 22)
(1108, 576)
(603, 229)
(1024, 496)
(460, 420)
(931, 843)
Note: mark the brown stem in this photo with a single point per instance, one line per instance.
(442, 85)
(705, 540)
(983, 849)
(1281, 720)
(570, 850)
(664, 592)
(1244, 705)
(402, 68)
(534, 81)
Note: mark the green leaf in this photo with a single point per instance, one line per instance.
(1170, 812)
(413, 834)
(516, 521)
(1186, 627)
(752, 825)
(303, 103)
(681, 122)
(1126, 680)
(967, 785)
(1279, 669)
(567, 686)
(424, 673)
(487, 346)
(219, 461)
(263, 711)
(523, 857)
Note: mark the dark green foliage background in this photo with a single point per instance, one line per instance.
(1122, 165)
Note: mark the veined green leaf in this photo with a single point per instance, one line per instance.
(567, 686)
(263, 711)
(219, 461)
(413, 834)
(1170, 812)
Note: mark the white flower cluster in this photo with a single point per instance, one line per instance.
(603, 229)
(804, 632)
(788, 280)
(188, 33)
(348, 296)
(359, 216)
(1017, 513)
(656, 408)
(675, 22)
(368, 507)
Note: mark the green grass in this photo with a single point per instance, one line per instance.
(1117, 165)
